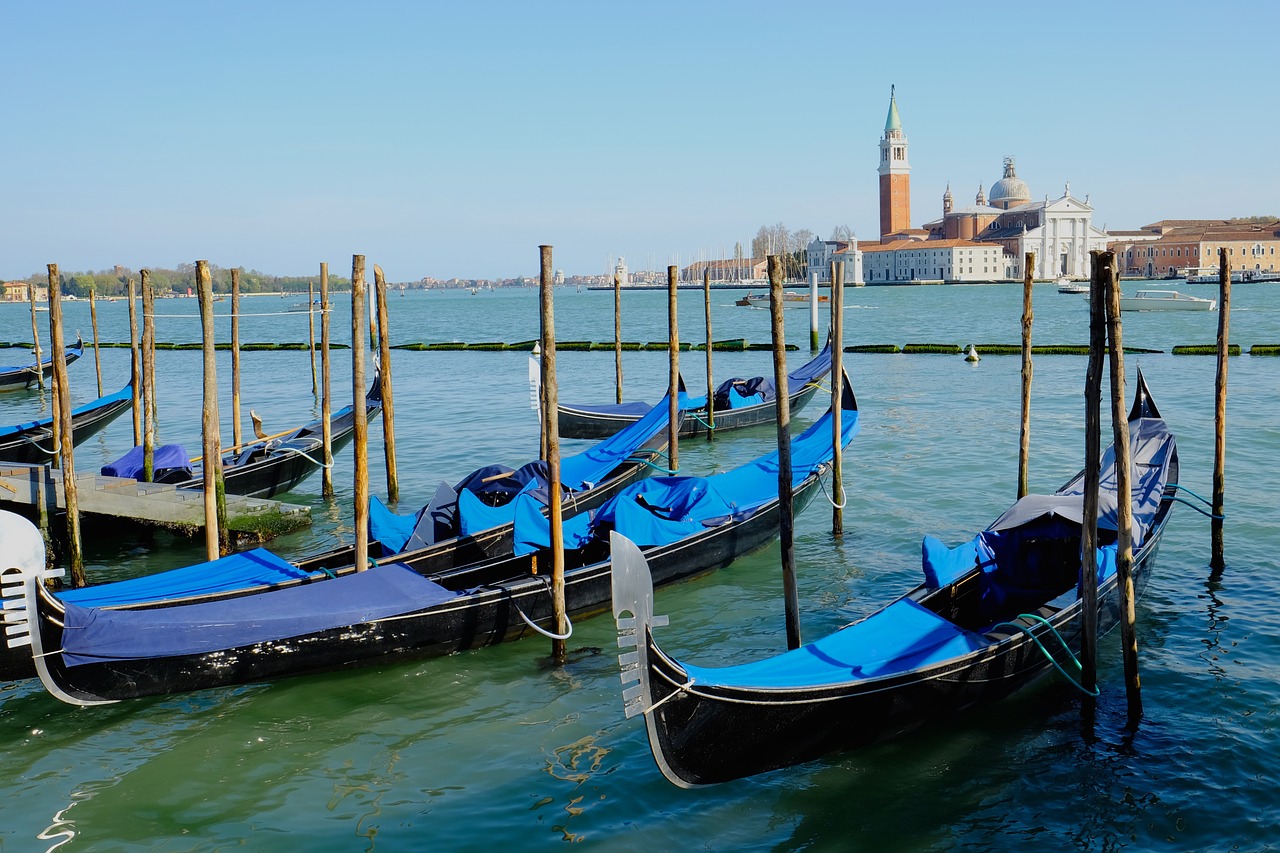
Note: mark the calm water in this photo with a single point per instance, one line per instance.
(493, 748)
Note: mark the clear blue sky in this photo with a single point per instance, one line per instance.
(451, 139)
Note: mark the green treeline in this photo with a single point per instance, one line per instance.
(115, 282)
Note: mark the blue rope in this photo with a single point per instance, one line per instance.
(1026, 630)
(694, 415)
(659, 468)
(1197, 508)
(1182, 488)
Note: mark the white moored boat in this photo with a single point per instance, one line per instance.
(1165, 300)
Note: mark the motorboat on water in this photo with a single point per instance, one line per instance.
(1166, 300)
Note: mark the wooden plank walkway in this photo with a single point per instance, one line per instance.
(156, 504)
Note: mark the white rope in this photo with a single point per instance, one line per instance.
(844, 497)
(543, 631)
(682, 688)
(242, 314)
(305, 456)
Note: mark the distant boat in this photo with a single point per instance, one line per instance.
(790, 299)
(1165, 300)
(1066, 285)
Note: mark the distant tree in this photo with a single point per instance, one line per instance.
(843, 233)
(1253, 220)
(800, 240)
(737, 251)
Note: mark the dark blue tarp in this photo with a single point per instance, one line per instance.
(93, 635)
(130, 465)
(258, 567)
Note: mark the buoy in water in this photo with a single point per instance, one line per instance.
(972, 354)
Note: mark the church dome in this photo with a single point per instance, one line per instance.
(1009, 190)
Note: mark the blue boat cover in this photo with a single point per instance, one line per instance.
(901, 637)
(165, 456)
(258, 567)
(663, 510)
(387, 528)
(93, 635)
(124, 393)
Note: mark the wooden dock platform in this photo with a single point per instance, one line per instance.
(155, 504)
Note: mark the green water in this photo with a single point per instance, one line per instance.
(494, 748)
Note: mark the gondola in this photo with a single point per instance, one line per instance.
(737, 403)
(396, 610)
(983, 624)
(15, 378)
(31, 443)
(258, 469)
(438, 539)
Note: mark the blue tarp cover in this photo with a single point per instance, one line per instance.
(124, 393)
(95, 636)
(130, 465)
(258, 567)
(388, 528)
(901, 637)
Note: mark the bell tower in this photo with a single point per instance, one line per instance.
(895, 174)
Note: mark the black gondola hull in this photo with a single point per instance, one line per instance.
(33, 446)
(475, 619)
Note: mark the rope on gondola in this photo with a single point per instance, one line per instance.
(543, 631)
(694, 415)
(305, 456)
(37, 446)
(844, 496)
(660, 469)
(1035, 639)
(1203, 500)
(680, 688)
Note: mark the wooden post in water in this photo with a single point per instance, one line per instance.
(135, 365)
(1217, 559)
(1092, 453)
(673, 383)
(551, 422)
(711, 391)
(617, 333)
(148, 377)
(216, 537)
(373, 319)
(311, 335)
(35, 337)
(837, 393)
(66, 443)
(786, 511)
(1024, 443)
(235, 357)
(388, 403)
(813, 311)
(326, 428)
(1124, 501)
(360, 435)
(93, 321)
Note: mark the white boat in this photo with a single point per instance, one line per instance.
(790, 299)
(1165, 300)
(1066, 285)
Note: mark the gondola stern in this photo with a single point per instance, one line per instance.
(1144, 405)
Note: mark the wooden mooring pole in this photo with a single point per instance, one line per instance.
(216, 535)
(1124, 505)
(1217, 559)
(235, 357)
(135, 367)
(148, 377)
(786, 510)
(1024, 442)
(66, 443)
(551, 428)
(813, 311)
(711, 388)
(1092, 451)
(388, 402)
(35, 337)
(617, 334)
(326, 400)
(837, 392)
(311, 335)
(360, 435)
(93, 322)
(673, 378)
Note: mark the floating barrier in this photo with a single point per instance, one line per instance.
(874, 348)
(1264, 349)
(940, 349)
(1205, 349)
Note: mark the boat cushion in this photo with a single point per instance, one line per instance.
(93, 635)
(942, 565)
(165, 457)
(901, 637)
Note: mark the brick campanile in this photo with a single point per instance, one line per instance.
(895, 174)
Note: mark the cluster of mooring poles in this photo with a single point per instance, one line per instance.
(143, 388)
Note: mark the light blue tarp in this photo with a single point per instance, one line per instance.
(258, 567)
(94, 636)
(124, 393)
(662, 510)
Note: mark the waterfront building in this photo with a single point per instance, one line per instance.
(821, 253)
(1177, 247)
(620, 272)
(941, 261)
